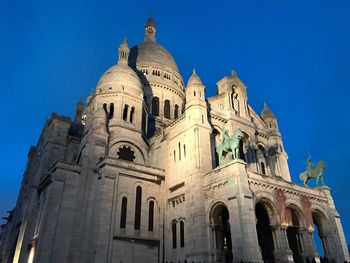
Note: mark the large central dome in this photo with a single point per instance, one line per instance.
(151, 53)
(163, 87)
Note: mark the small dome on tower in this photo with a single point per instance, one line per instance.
(194, 79)
(267, 113)
(121, 76)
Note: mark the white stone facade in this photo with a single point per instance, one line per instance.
(135, 178)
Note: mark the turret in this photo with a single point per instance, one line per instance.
(123, 52)
(195, 91)
(269, 118)
(277, 156)
(197, 117)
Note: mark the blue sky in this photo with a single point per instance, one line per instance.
(295, 55)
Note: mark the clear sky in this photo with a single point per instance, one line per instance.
(295, 55)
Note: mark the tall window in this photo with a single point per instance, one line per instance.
(125, 112)
(179, 151)
(173, 229)
(150, 215)
(138, 208)
(262, 168)
(123, 212)
(176, 111)
(167, 109)
(182, 234)
(132, 114)
(155, 106)
(111, 111)
(184, 150)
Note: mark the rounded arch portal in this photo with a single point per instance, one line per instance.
(263, 213)
(219, 219)
(295, 221)
(320, 235)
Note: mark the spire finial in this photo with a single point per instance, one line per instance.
(194, 71)
(150, 29)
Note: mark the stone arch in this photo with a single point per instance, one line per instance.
(138, 150)
(296, 222)
(268, 201)
(221, 231)
(266, 216)
(298, 210)
(260, 157)
(322, 227)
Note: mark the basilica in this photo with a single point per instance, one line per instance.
(151, 170)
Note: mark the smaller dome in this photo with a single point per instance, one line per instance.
(194, 79)
(120, 76)
(267, 113)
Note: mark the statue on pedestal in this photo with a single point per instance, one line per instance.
(229, 144)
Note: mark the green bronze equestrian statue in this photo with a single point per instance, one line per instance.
(229, 144)
(313, 171)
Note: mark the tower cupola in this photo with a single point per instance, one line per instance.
(195, 91)
(150, 30)
(269, 118)
(123, 52)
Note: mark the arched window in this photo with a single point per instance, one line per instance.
(194, 93)
(111, 111)
(176, 111)
(150, 215)
(182, 234)
(167, 109)
(126, 153)
(179, 151)
(138, 208)
(123, 212)
(174, 156)
(262, 168)
(184, 150)
(125, 112)
(155, 106)
(105, 107)
(132, 114)
(173, 229)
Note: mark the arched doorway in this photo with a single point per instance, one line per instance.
(264, 232)
(293, 234)
(222, 232)
(319, 235)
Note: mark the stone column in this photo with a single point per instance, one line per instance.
(309, 252)
(245, 247)
(282, 252)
